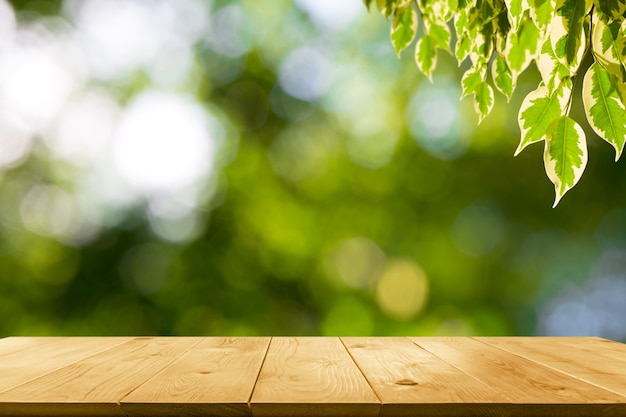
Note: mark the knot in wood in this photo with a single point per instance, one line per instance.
(405, 382)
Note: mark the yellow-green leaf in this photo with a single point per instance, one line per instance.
(604, 108)
(565, 155)
(541, 12)
(403, 28)
(522, 46)
(385, 7)
(439, 32)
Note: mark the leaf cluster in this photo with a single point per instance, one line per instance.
(502, 38)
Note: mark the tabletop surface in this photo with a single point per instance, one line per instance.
(312, 376)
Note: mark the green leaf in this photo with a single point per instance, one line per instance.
(604, 107)
(403, 29)
(565, 155)
(567, 33)
(502, 77)
(613, 9)
(426, 55)
(483, 100)
(539, 109)
(367, 4)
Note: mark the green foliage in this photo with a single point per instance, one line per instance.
(508, 36)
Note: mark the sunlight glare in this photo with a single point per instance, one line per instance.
(163, 143)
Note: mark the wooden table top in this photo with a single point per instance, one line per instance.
(312, 376)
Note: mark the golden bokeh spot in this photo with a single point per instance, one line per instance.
(402, 290)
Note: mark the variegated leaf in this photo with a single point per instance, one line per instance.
(604, 43)
(386, 7)
(565, 155)
(403, 29)
(443, 9)
(472, 78)
(481, 47)
(461, 22)
(522, 47)
(604, 108)
(541, 12)
(515, 10)
(462, 47)
(612, 9)
(621, 43)
(483, 100)
(552, 71)
(567, 33)
(539, 109)
(439, 32)
(503, 27)
(426, 55)
(502, 77)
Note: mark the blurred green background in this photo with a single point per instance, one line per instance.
(190, 167)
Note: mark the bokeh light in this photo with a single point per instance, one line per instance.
(162, 143)
(402, 290)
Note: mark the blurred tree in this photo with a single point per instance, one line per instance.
(229, 168)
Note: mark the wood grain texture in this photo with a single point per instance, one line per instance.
(411, 381)
(311, 376)
(35, 357)
(95, 385)
(597, 361)
(533, 388)
(12, 345)
(215, 378)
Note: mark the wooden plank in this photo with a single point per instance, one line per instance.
(533, 389)
(40, 356)
(215, 378)
(94, 386)
(596, 361)
(311, 376)
(592, 346)
(411, 381)
(12, 345)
